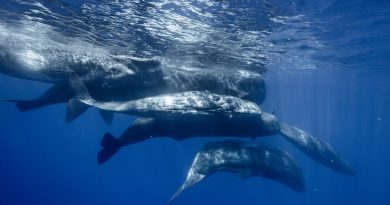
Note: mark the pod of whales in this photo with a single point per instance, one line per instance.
(44, 57)
(244, 84)
(108, 76)
(248, 159)
(195, 114)
(176, 102)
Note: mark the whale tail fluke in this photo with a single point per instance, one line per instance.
(77, 107)
(316, 149)
(25, 105)
(54, 95)
(110, 145)
(81, 103)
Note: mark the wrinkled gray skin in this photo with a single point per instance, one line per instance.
(235, 82)
(248, 159)
(107, 76)
(245, 119)
(110, 77)
(33, 51)
(194, 105)
(191, 114)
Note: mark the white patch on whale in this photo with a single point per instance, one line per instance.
(32, 59)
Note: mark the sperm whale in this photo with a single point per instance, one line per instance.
(248, 159)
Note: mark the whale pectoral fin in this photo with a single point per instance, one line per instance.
(316, 149)
(191, 180)
(110, 145)
(78, 86)
(25, 105)
(107, 116)
(74, 109)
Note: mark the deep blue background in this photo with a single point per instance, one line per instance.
(45, 161)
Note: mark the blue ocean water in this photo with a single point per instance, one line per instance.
(326, 66)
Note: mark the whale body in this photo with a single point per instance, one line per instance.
(194, 105)
(108, 76)
(248, 159)
(201, 114)
(134, 78)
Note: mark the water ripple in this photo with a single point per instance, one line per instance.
(204, 33)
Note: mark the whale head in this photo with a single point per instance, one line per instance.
(270, 123)
(251, 86)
